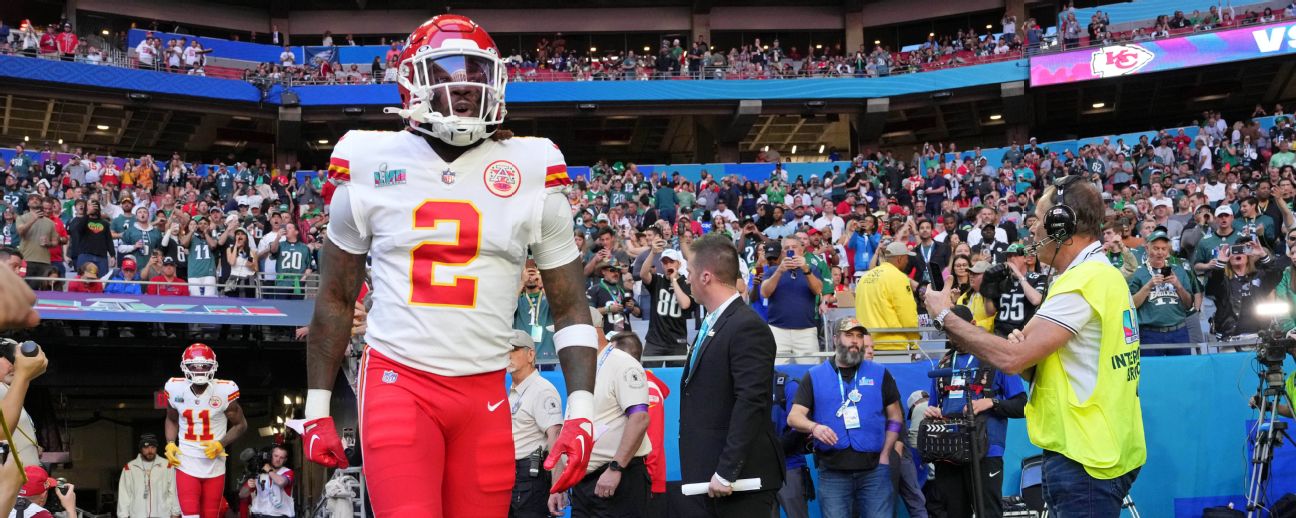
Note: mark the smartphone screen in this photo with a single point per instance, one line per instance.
(791, 254)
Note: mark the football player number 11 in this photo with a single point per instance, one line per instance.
(427, 255)
(203, 415)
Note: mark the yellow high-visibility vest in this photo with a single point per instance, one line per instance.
(1105, 432)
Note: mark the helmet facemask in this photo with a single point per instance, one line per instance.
(455, 94)
(199, 372)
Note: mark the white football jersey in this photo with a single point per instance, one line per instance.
(448, 242)
(202, 418)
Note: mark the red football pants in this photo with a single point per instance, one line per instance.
(434, 445)
(199, 497)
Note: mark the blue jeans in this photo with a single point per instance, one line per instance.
(1071, 492)
(100, 261)
(1178, 336)
(846, 494)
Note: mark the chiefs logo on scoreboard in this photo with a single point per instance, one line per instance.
(1119, 60)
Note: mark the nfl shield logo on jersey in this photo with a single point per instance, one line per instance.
(448, 177)
(389, 377)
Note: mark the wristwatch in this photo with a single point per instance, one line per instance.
(939, 321)
(615, 466)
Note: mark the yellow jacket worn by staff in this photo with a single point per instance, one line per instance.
(1105, 432)
(884, 299)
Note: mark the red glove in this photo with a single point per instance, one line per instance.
(322, 445)
(576, 442)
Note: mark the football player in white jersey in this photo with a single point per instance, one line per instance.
(447, 210)
(203, 417)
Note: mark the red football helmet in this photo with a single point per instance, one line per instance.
(198, 364)
(451, 81)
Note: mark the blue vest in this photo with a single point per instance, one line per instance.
(787, 389)
(830, 391)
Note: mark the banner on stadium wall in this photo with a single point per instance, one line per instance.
(1169, 54)
(317, 55)
(54, 305)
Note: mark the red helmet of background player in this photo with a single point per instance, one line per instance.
(451, 65)
(198, 364)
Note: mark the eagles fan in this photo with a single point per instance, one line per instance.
(1015, 290)
(293, 262)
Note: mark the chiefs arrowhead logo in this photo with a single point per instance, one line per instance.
(1119, 60)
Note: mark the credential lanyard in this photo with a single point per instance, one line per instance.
(841, 387)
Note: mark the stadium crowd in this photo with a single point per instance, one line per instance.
(83, 222)
(105, 223)
(554, 59)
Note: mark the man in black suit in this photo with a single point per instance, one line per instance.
(725, 430)
(934, 257)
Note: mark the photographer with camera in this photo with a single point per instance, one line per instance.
(670, 302)
(33, 496)
(16, 374)
(612, 297)
(1163, 293)
(271, 489)
(1241, 276)
(147, 485)
(1015, 289)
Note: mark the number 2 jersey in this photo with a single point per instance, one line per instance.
(448, 241)
(202, 418)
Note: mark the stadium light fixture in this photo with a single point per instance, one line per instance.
(593, 49)
(647, 49)
(764, 47)
(818, 46)
(287, 400)
(321, 141)
(931, 35)
(987, 26)
(1099, 105)
(104, 32)
(26, 138)
(102, 127)
(996, 117)
(877, 42)
(765, 149)
(793, 149)
(60, 142)
(821, 148)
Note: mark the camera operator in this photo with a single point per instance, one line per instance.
(1241, 276)
(147, 485)
(1163, 293)
(1016, 290)
(33, 496)
(271, 490)
(973, 389)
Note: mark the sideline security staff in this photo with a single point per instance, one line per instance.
(1083, 347)
(851, 406)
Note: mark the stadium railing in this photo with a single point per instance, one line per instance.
(262, 287)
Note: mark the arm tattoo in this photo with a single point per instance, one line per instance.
(564, 286)
(330, 329)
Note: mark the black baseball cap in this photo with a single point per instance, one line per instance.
(168, 261)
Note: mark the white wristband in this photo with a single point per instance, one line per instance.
(578, 335)
(317, 403)
(580, 405)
